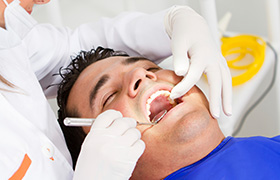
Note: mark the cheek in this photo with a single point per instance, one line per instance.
(200, 97)
(169, 76)
(124, 107)
(119, 107)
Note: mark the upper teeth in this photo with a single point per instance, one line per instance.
(156, 94)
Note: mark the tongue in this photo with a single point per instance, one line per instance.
(159, 104)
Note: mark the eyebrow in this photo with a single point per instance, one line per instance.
(101, 82)
(105, 78)
(132, 60)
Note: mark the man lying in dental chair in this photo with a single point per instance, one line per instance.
(186, 144)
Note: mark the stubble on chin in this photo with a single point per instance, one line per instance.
(189, 127)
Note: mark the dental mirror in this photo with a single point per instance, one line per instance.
(155, 120)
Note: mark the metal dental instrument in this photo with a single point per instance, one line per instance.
(88, 121)
(155, 120)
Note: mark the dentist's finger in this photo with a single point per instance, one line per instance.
(106, 118)
(215, 85)
(227, 92)
(179, 51)
(121, 125)
(129, 138)
(136, 150)
(187, 82)
(181, 65)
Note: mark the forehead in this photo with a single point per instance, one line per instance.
(107, 65)
(100, 67)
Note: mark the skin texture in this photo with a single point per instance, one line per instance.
(185, 135)
(26, 4)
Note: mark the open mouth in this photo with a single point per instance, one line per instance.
(158, 102)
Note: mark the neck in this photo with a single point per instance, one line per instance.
(168, 160)
(2, 9)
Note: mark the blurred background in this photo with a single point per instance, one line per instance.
(248, 17)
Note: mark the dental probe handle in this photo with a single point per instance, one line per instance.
(78, 121)
(143, 123)
(88, 122)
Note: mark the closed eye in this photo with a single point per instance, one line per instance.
(153, 69)
(109, 98)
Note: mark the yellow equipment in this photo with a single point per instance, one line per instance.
(237, 48)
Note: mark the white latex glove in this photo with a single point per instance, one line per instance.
(190, 36)
(111, 148)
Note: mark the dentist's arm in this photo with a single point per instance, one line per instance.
(194, 53)
(111, 149)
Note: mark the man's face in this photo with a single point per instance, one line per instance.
(136, 88)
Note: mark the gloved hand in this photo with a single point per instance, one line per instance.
(191, 37)
(111, 148)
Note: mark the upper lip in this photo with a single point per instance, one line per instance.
(151, 91)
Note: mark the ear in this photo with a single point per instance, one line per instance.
(41, 1)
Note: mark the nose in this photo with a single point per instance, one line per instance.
(136, 78)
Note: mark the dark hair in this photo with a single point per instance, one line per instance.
(74, 136)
